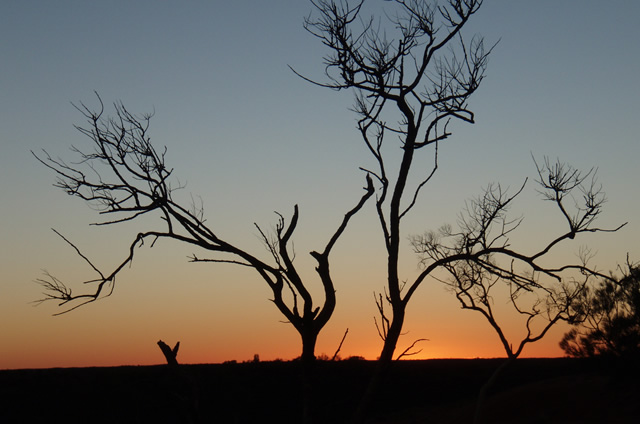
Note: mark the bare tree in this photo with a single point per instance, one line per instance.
(422, 80)
(481, 259)
(486, 260)
(417, 78)
(125, 177)
(410, 85)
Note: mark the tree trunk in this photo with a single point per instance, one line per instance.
(382, 366)
(169, 354)
(308, 360)
(309, 338)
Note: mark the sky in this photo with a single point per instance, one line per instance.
(249, 138)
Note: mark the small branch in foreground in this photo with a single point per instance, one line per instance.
(335, 355)
(407, 351)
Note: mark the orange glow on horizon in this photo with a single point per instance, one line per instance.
(151, 355)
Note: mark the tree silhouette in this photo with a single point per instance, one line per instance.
(408, 90)
(610, 325)
(542, 294)
(125, 177)
(423, 79)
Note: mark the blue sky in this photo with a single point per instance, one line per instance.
(250, 138)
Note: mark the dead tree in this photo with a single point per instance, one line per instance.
(126, 177)
(480, 258)
(417, 78)
(409, 86)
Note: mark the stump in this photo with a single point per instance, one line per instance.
(169, 354)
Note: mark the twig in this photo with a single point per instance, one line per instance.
(335, 355)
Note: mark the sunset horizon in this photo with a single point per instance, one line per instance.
(246, 136)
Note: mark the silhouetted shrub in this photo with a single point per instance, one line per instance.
(355, 358)
(612, 319)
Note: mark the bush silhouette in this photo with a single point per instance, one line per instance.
(611, 325)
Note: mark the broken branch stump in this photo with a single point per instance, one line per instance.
(169, 354)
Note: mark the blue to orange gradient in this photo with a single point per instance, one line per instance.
(249, 137)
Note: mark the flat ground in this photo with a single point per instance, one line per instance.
(432, 391)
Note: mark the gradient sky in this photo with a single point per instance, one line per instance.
(250, 138)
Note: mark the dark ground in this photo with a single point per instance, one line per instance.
(432, 391)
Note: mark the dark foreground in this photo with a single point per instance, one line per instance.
(433, 391)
